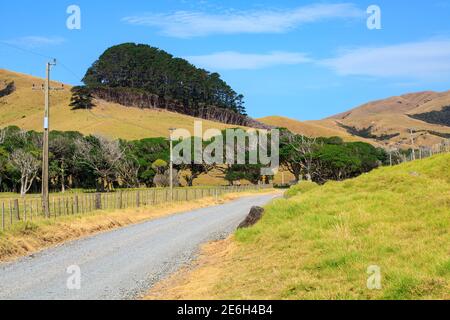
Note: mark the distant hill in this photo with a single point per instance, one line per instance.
(385, 122)
(308, 128)
(23, 107)
(390, 121)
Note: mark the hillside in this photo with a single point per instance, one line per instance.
(310, 128)
(390, 120)
(24, 108)
(384, 122)
(320, 243)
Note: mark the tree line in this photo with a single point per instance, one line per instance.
(324, 159)
(95, 162)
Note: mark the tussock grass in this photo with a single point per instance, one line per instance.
(319, 244)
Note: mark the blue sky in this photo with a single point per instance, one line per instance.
(302, 59)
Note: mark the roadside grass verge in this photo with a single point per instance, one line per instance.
(319, 243)
(28, 237)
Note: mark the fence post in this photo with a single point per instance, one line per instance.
(3, 216)
(10, 213)
(76, 204)
(138, 199)
(98, 201)
(16, 209)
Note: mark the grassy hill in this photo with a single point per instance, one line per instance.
(24, 108)
(319, 243)
(383, 122)
(310, 128)
(392, 116)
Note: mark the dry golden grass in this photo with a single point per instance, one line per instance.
(319, 128)
(305, 127)
(196, 280)
(29, 237)
(24, 108)
(386, 117)
(390, 116)
(320, 243)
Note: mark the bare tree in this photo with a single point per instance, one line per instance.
(302, 160)
(28, 166)
(102, 155)
(128, 172)
(163, 180)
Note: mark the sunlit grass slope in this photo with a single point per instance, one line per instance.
(319, 243)
(24, 108)
(311, 128)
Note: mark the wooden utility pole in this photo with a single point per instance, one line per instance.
(171, 130)
(46, 88)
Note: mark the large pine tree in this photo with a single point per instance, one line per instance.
(81, 98)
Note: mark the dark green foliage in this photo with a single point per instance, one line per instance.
(150, 71)
(324, 159)
(81, 98)
(435, 117)
(9, 88)
(146, 152)
(94, 162)
(440, 134)
(367, 133)
(249, 172)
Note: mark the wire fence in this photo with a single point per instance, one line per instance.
(14, 211)
(397, 157)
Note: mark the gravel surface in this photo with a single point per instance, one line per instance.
(124, 263)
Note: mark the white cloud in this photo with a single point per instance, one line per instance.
(231, 60)
(36, 41)
(185, 24)
(426, 59)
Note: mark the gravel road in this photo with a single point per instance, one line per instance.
(124, 263)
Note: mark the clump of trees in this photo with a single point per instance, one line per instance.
(324, 159)
(158, 78)
(76, 161)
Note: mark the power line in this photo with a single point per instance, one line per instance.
(25, 50)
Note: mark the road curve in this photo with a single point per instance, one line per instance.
(124, 263)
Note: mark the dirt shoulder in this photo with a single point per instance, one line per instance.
(196, 281)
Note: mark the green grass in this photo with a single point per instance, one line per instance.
(319, 243)
(300, 188)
